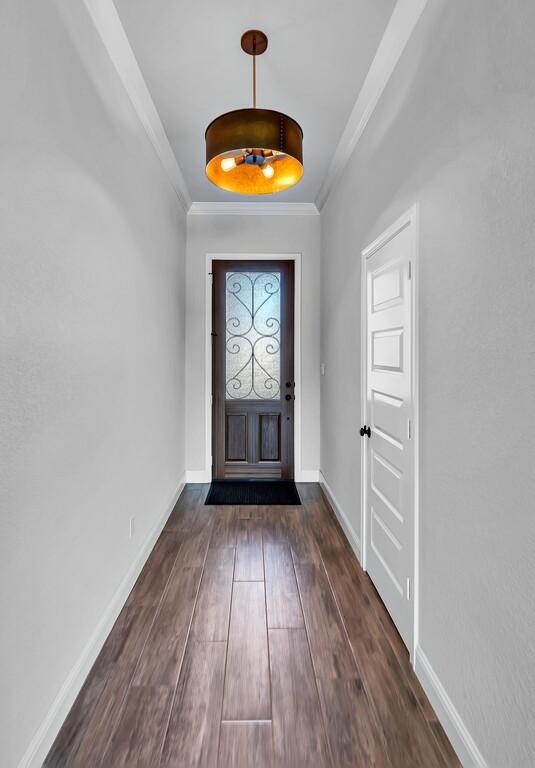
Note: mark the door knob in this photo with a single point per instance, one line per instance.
(287, 397)
(365, 431)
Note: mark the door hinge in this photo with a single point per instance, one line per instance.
(410, 270)
(409, 429)
(408, 588)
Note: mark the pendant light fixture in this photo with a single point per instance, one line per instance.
(254, 151)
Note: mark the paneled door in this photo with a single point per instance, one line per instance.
(253, 369)
(389, 427)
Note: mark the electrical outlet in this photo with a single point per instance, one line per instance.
(132, 527)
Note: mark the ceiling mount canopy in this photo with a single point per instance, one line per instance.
(254, 151)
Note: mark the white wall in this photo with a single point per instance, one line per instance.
(222, 233)
(92, 249)
(455, 130)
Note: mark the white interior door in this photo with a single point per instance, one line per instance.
(389, 414)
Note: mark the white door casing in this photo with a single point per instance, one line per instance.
(389, 454)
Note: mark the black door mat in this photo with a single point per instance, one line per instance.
(242, 492)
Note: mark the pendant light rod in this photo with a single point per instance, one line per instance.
(254, 42)
(254, 81)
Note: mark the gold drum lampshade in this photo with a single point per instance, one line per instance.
(256, 139)
(254, 151)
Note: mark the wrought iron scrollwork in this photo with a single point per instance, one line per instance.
(253, 335)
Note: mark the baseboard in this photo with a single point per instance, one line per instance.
(205, 476)
(457, 732)
(307, 476)
(49, 728)
(198, 476)
(349, 531)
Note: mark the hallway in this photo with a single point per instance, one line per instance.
(193, 674)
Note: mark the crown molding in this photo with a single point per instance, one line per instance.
(254, 209)
(396, 36)
(108, 24)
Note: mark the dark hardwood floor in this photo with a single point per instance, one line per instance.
(252, 638)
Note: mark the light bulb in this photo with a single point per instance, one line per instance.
(228, 163)
(268, 170)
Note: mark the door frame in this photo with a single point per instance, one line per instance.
(250, 256)
(409, 219)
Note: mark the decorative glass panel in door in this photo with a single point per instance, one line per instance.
(253, 387)
(253, 312)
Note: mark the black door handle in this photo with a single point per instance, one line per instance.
(287, 397)
(365, 431)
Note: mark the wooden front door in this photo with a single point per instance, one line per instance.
(253, 369)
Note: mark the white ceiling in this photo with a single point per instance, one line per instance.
(318, 56)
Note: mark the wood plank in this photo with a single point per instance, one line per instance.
(68, 740)
(339, 558)
(210, 620)
(371, 599)
(352, 730)
(251, 512)
(150, 585)
(193, 734)
(275, 526)
(160, 660)
(408, 737)
(299, 739)
(183, 514)
(307, 491)
(195, 542)
(245, 745)
(126, 640)
(249, 556)
(358, 600)
(247, 689)
(225, 527)
(326, 528)
(305, 548)
(406, 732)
(331, 653)
(282, 596)
(96, 738)
(120, 656)
(138, 738)
(403, 658)
(103, 691)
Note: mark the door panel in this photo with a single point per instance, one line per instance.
(389, 403)
(269, 436)
(386, 482)
(386, 417)
(387, 350)
(253, 386)
(236, 437)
